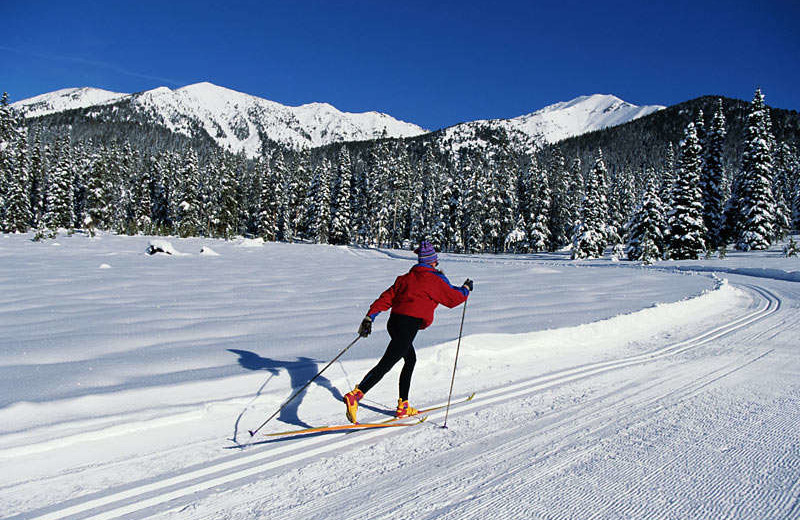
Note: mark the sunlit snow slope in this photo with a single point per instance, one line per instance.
(235, 120)
(604, 389)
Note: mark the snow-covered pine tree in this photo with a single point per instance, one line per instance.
(298, 190)
(712, 178)
(796, 208)
(575, 195)
(98, 204)
(474, 185)
(143, 196)
(559, 224)
(445, 234)
(123, 166)
(429, 174)
(248, 193)
(500, 202)
(37, 181)
(700, 128)
(589, 240)
(783, 223)
(60, 193)
(493, 206)
(509, 194)
(283, 189)
(362, 201)
(341, 218)
(756, 202)
(15, 207)
(6, 151)
(380, 195)
(667, 175)
(401, 188)
(190, 221)
(781, 182)
(787, 170)
(623, 206)
(268, 203)
(645, 229)
(82, 158)
(225, 217)
(516, 240)
(539, 206)
(163, 186)
(685, 218)
(17, 217)
(320, 207)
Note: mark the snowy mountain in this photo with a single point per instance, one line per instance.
(236, 121)
(552, 123)
(66, 99)
(241, 122)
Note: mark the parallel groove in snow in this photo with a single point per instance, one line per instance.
(138, 498)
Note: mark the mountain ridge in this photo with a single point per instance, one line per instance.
(242, 122)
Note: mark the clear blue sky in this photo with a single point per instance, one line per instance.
(434, 63)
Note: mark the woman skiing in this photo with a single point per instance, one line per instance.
(413, 299)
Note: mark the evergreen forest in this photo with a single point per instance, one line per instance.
(681, 183)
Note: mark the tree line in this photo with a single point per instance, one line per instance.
(393, 192)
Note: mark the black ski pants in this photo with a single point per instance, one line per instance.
(402, 329)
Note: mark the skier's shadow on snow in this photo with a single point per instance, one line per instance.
(300, 372)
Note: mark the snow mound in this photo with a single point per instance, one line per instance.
(104, 266)
(207, 251)
(487, 350)
(757, 272)
(160, 246)
(251, 242)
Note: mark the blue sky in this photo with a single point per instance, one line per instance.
(434, 63)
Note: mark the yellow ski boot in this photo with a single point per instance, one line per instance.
(404, 410)
(351, 400)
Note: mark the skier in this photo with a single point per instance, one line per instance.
(413, 299)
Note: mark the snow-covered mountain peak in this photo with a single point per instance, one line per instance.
(235, 120)
(580, 115)
(555, 122)
(66, 99)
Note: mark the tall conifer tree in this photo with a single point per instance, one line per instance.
(756, 202)
(686, 228)
(590, 237)
(713, 177)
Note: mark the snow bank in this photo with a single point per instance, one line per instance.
(160, 246)
(482, 352)
(207, 251)
(251, 242)
(758, 272)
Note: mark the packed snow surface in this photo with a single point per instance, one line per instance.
(604, 389)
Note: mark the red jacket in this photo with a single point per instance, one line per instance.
(417, 293)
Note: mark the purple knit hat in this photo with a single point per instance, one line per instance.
(426, 253)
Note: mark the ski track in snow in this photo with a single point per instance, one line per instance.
(697, 422)
(143, 500)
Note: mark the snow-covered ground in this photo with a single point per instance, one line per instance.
(604, 390)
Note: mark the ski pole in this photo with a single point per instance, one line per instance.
(455, 364)
(253, 432)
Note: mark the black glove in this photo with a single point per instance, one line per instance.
(468, 284)
(366, 327)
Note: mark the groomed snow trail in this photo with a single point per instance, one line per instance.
(688, 431)
(509, 451)
(604, 390)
